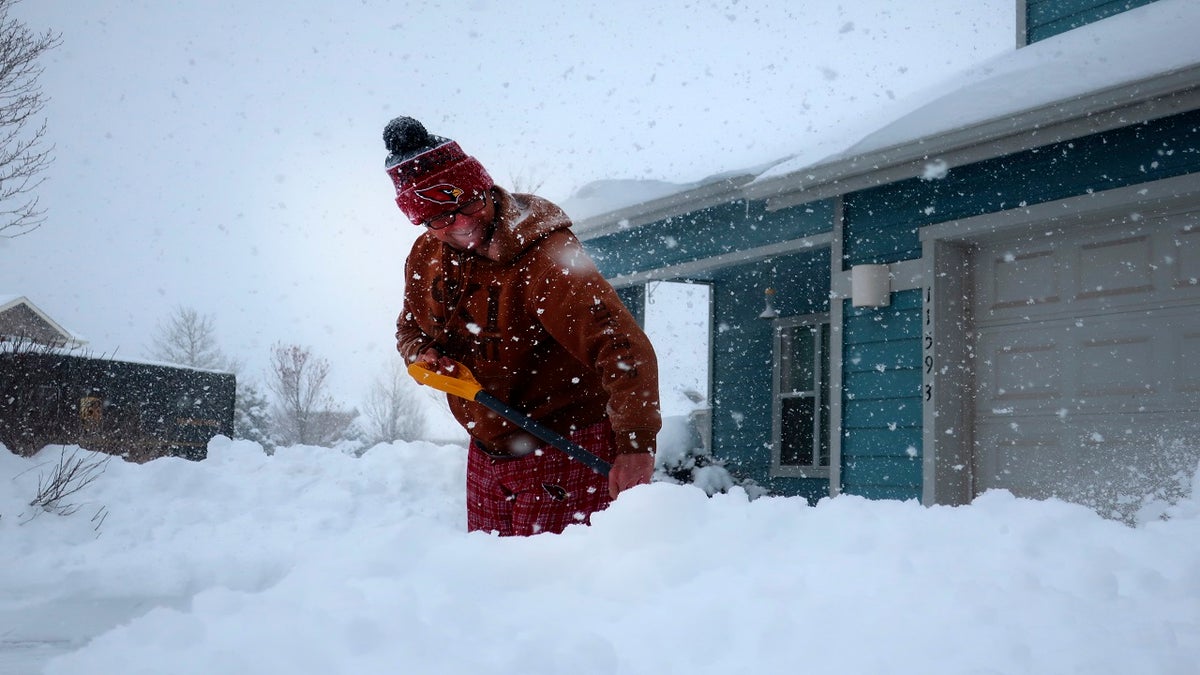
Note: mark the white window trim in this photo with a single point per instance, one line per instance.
(779, 470)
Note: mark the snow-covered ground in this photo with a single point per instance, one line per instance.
(312, 561)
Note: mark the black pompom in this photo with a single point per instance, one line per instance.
(406, 136)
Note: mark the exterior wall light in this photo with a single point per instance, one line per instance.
(871, 285)
(769, 311)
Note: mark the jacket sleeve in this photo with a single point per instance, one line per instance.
(583, 313)
(411, 340)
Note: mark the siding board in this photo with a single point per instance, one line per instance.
(710, 232)
(898, 493)
(882, 443)
(888, 384)
(900, 474)
(1047, 18)
(883, 413)
(885, 324)
(881, 224)
(891, 355)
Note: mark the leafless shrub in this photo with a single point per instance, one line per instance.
(71, 474)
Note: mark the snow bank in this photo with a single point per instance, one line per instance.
(314, 562)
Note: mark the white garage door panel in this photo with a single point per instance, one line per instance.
(1117, 367)
(1088, 360)
(1022, 278)
(1022, 452)
(1098, 460)
(1023, 369)
(1108, 270)
(1114, 266)
(1185, 254)
(1132, 362)
(1135, 362)
(1187, 380)
(1017, 277)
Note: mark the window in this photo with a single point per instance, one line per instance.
(800, 433)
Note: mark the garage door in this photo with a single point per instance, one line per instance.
(1087, 362)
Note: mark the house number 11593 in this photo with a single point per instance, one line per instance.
(927, 344)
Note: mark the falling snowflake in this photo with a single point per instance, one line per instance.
(935, 170)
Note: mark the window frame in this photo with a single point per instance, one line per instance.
(820, 367)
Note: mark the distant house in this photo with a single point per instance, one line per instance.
(20, 319)
(50, 393)
(998, 289)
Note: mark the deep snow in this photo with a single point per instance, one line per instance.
(312, 561)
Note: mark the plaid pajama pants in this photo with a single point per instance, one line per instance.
(544, 491)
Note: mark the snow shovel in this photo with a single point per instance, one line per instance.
(464, 385)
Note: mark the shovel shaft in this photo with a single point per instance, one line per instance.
(546, 434)
(464, 385)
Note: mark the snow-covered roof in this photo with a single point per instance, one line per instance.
(1148, 53)
(603, 206)
(8, 301)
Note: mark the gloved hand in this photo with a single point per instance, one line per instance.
(441, 364)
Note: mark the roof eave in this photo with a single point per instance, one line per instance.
(1137, 101)
(679, 203)
(69, 339)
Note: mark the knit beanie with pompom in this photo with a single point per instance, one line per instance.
(432, 175)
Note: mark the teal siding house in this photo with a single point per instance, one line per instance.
(998, 289)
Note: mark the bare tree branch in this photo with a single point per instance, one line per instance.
(525, 181)
(23, 157)
(304, 412)
(189, 338)
(392, 408)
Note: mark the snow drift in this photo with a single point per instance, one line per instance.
(312, 561)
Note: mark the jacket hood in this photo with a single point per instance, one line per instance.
(521, 220)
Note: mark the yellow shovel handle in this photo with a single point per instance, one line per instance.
(462, 384)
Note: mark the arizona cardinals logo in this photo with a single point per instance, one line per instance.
(442, 193)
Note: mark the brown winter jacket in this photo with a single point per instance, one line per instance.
(530, 315)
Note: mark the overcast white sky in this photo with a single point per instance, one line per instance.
(198, 136)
